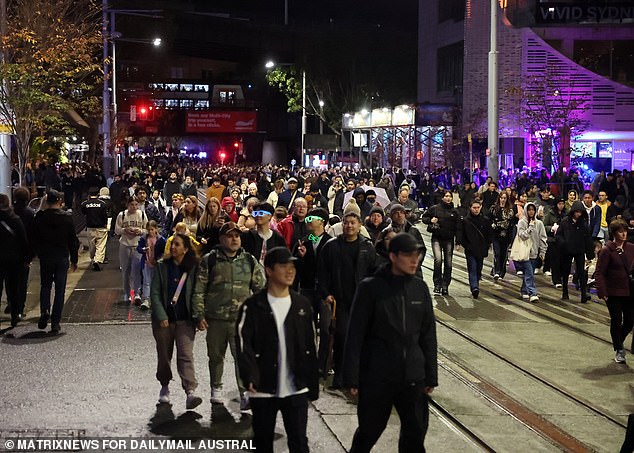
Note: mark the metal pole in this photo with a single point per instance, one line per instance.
(105, 126)
(5, 137)
(303, 113)
(285, 12)
(493, 116)
(114, 77)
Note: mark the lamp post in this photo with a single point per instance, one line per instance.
(108, 36)
(321, 117)
(270, 65)
(493, 113)
(5, 130)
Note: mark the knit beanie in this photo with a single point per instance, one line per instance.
(352, 208)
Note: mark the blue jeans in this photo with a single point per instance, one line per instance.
(443, 254)
(474, 268)
(528, 279)
(53, 271)
(148, 273)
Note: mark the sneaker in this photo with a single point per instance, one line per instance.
(496, 277)
(245, 404)
(525, 296)
(96, 267)
(548, 273)
(559, 286)
(164, 395)
(534, 298)
(437, 291)
(565, 296)
(145, 305)
(192, 400)
(537, 271)
(620, 356)
(520, 273)
(444, 292)
(217, 396)
(7, 310)
(43, 322)
(475, 293)
(55, 329)
(137, 300)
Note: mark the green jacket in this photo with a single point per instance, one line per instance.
(224, 283)
(159, 297)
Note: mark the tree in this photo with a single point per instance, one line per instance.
(50, 66)
(552, 111)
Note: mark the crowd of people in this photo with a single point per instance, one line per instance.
(238, 251)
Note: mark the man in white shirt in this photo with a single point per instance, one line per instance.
(277, 356)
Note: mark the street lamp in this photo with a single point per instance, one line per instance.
(321, 117)
(270, 65)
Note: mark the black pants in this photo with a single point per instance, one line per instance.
(375, 405)
(295, 415)
(621, 319)
(580, 262)
(12, 274)
(554, 258)
(340, 339)
(322, 318)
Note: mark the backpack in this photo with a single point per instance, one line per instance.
(213, 257)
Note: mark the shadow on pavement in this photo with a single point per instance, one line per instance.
(32, 337)
(611, 369)
(188, 425)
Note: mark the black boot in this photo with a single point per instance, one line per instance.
(564, 295)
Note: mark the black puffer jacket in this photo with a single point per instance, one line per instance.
(573, 238)
(393, 336)
(13, 242)
(448, 219)
(475, 235)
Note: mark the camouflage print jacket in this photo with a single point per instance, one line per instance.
(224, 283)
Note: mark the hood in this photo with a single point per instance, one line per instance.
(358, 191)
(529, 203)
(578, 206)
(588, 209)
(226, 201)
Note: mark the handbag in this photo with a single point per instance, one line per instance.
(521, 249)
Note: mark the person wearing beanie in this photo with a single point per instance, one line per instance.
(400, 224)
(96, 212)
(364, 206)
(384, 365)
(345, 261)
(229, 207)
(376, 223)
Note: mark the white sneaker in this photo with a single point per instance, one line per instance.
(537, 271)
(145, 305)
(559, 286)
(217, 395)
(496, 277)
(548, 273)
(525, 296)
(164, 395)
(534, 298)
(620, 356)
(192, 400)
(520, 273)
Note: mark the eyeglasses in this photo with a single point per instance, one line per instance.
(260, 213)
(310, 218)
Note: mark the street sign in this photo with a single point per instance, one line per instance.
(5, 129)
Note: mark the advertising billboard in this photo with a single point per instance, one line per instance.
(221, 122)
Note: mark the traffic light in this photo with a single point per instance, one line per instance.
(143, 113)
(223, 155)
(236, 144)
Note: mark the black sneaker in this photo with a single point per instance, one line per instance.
(138, 301)
(55, 329)
(475, 293)
(43, 322)
(96, 267)
(444, 292)
(437, 291)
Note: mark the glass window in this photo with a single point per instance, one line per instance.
(171, 103)
(200, 104)
(187, 103)
(204, 88)
(187, 87)
(227, 96)
(449, 61)
(171, 87)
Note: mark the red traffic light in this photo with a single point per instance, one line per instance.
(142, 110)
(236, 144)
(223, 155)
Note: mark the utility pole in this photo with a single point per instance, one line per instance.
(493, 113)
(303, 113)
(5, 129)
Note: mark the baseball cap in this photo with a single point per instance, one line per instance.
(278, 255)
(291, 179)
(227, 227)
(53, 196)
(404, 242)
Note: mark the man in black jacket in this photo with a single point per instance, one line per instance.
(390, 354)
(262, 238)
(96, 211)
(344, 262)
(276, 354)
(475, 234)
(53, 239)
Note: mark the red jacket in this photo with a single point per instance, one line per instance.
(286, 228)
(611, 276)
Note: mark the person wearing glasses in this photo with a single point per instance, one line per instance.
(612, 279)
(259, 240)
